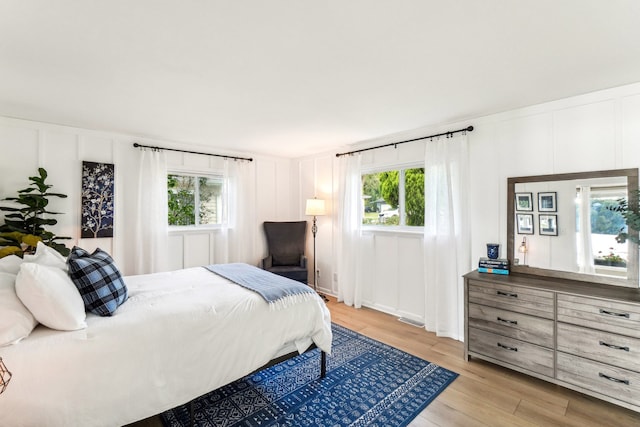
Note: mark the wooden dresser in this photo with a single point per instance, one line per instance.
(581, 335)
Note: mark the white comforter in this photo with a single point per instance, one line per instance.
(179, 335)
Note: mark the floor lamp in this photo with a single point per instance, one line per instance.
(315, 207)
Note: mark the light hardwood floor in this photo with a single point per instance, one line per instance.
(483, 394)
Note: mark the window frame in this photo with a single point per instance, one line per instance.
(224, 200)
(402, 227)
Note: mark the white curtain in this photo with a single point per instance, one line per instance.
(348, 248)
(237, 242)
(151, 240)
(447, 254)
(585, 248)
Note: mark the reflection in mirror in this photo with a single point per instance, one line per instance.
(573, 231)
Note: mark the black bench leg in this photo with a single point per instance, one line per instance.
(323, 364)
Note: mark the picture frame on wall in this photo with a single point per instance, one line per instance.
(98, 187)
(547, 202)
(525, 223)
(524, 202)
(548, 225)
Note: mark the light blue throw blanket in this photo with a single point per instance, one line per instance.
(278, 291)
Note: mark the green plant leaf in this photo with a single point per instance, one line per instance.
(29, 219)
(10, 250)
(631, 214)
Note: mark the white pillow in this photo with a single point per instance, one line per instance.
(47, 256)
(16, 322)
(51, 296)
(10, 264)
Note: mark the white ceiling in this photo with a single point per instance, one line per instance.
(296, 77)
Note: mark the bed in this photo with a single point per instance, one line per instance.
(179, 335)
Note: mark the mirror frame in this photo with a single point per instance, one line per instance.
(632, 264)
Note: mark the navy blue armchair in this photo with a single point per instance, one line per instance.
(286, 242)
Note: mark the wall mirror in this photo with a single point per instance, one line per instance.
(559, 226)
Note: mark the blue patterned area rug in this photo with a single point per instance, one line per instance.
(368, 383)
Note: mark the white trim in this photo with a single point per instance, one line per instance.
(403, 230)
(391, 166)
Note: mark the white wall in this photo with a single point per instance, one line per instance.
(596, 131)
(393, 269)
(27, 145)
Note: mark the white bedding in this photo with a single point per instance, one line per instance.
(179, 335)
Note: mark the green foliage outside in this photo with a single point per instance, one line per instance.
(181, 195)
(210, 189)
(385, 186)
(389, 182)
(631, 215)
(392, 220)
(611, 259)
(25, 225)
(371, 188)
(414, 196)
(604, 219)
(182, 199)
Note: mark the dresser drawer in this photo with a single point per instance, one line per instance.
(604, 379)
(511, 324)
(606, 315)
(519, 353)
(513, 298)
(605, 347)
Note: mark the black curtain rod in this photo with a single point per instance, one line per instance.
(448, 134)
(249, 159)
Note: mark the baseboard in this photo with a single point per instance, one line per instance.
(411, 322)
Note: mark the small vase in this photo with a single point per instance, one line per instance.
(493, 250)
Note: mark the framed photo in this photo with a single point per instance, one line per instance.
(548, 224)
(547, 202)
(525, 223)
(524, 202)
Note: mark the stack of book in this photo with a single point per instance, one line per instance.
(494, 266)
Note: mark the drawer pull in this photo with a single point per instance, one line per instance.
(611, 313)
(615, 380)
(506, 347)
(511, 322)
(613, 346)
(506, 294)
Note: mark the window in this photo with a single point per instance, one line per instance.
(394, 197)
(194, 200)
(605, 223)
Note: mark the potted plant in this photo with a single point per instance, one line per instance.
(611, 259)
(631, 215)
(25, 225)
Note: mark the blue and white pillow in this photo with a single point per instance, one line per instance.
(98, 280)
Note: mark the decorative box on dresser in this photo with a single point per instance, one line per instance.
(581, 335)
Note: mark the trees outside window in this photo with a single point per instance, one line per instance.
(394, 197)
(194, 200)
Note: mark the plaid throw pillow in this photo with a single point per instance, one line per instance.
(98, 280)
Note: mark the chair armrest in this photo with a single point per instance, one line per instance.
(303, 261)
(267, 262)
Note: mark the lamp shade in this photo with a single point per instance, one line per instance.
(315, 207)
